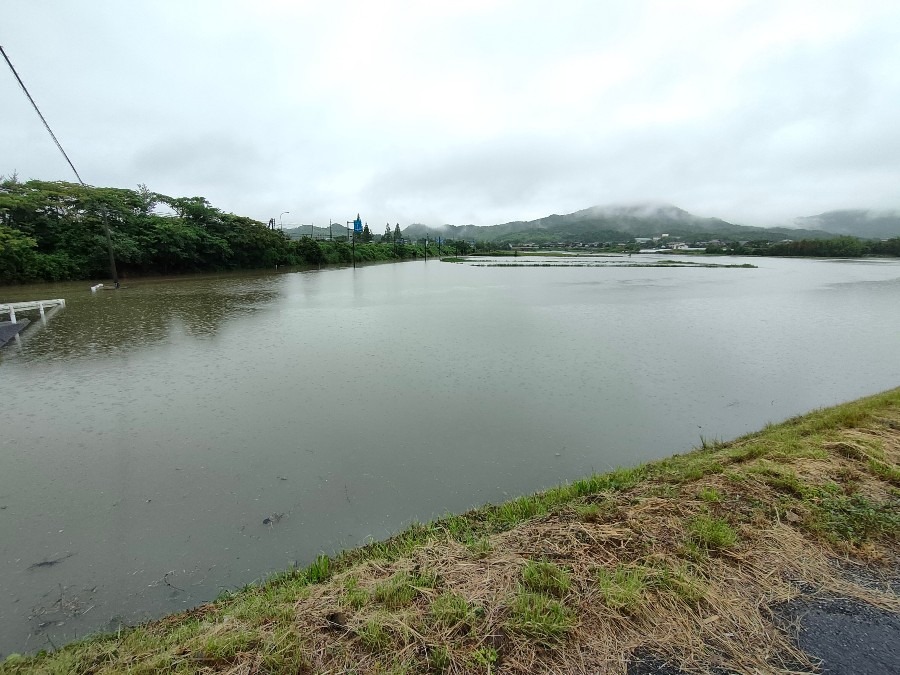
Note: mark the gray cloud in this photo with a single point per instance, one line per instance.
(463, 112)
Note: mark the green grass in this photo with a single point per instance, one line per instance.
(355, 596)
(450, 610)
(708, 494)
(221, 648)
(595, 512)
(545, 577)
(680, 582)
(780, 478)
(480, 547)
(402, 588)
(283, 653)
(319, 570)
(540, 618)
(485, 657)
(622, 588)
(374, 636)
(589, 513)
(855, 519)
(439, 659)
(711, 533)
(884, 471)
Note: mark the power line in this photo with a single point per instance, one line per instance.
(112, 259)
(38, 111)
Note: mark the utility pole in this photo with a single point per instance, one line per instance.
(109, 246)
(352, 235)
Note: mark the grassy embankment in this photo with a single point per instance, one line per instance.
(680, 558)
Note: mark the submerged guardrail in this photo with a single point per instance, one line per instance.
(12, 307)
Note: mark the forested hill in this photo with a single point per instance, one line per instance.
(856, 223)
(620, 223)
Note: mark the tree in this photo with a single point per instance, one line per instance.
(397, 235)
(17, 253)
(367, 235)
(310, 251)
(387, 234)
(460, 246)
(148, 199)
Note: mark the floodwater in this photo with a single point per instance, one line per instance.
(179, 437)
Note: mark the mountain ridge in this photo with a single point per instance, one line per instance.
(625, 221)
(866, 223)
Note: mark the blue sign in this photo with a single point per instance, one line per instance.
(357, 224)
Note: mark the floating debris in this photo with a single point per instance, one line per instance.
(273, 519)
(51, 562)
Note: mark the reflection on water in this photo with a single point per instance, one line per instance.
(179, 437)
(141, 313)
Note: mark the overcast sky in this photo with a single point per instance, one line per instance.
(463, 111)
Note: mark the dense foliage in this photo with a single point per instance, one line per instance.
(53, 231)
(836, 247)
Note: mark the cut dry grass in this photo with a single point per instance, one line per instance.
(680, 558)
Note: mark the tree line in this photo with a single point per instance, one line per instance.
(836, 247)
(53, 231)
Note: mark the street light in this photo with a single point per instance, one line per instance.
(279, 219)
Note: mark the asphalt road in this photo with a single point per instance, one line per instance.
(847, 637)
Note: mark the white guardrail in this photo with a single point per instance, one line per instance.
(12, 307)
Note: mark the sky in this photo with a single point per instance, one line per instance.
(462, 111)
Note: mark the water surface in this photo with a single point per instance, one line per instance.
(148, 433)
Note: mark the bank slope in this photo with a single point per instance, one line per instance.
(683, 561)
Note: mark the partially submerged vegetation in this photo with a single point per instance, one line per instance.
(602, 261)
(682, 559)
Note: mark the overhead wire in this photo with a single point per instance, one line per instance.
(38, 111)
(112, 259)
